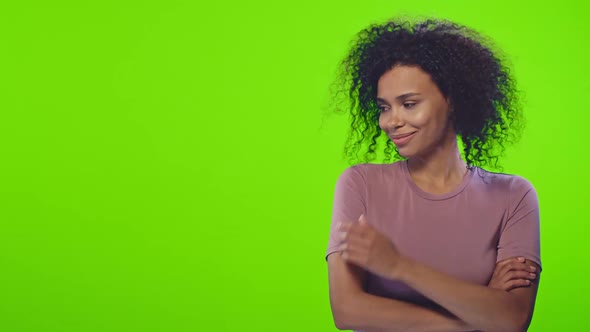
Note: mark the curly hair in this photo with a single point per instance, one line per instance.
(463, 64)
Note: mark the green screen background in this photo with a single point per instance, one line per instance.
(166, 166)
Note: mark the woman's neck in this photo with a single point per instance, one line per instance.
(441, 170)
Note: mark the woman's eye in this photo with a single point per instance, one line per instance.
(409, 105)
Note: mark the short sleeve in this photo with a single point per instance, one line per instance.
(520, 235)
(349, 202)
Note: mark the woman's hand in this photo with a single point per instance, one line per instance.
(364, 246)
(512, 273)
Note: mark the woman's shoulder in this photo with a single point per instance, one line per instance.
(368, 170)
(506, 182)
(372, 173)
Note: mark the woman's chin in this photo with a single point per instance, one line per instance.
(404, 153)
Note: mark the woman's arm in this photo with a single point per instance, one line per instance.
(484, 308)
(354, 309)
(481, 307)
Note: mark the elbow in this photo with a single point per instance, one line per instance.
(508, 327)
(342, 326)
(518, 323)
(516, 316)
(344, 315)
(512, 319)
(515, 328)
(342, 320)
(523, 319)
(523, 323)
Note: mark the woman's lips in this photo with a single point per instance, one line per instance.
(403, 140)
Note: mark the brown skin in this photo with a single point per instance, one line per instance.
(412, 103)
(433, 154)
(512, 273)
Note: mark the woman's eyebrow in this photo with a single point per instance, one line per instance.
(399, 98)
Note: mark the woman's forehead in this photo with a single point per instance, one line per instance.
(403, 80)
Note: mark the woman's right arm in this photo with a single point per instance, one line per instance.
(354, 309)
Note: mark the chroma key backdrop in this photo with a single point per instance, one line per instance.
(170, 165)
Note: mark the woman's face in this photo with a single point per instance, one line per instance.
(414, 113)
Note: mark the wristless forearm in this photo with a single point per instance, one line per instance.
(369, 313)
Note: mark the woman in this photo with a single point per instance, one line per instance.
(432, 241)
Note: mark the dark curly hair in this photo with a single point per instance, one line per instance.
(463, 64)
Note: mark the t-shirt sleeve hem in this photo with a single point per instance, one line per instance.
(331, 251)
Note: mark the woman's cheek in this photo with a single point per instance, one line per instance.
(419, 118)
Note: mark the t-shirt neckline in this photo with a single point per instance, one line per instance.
(435, 197)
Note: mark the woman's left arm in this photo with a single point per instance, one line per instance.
(483, 308)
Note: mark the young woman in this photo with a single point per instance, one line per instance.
(431, 241)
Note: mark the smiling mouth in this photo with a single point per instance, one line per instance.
(402, 139)
(402, 135)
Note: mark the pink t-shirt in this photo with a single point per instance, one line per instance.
(462, 233)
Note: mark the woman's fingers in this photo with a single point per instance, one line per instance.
(355, 241)
(508, 265)
(519, 275)
(503, 267)
(512, 273)
(354, 231)
(354, 251)
(511, 260)
(515, 283)
(511, 265)
(516, 271)
(523, 275)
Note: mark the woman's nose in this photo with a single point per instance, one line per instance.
(394, 119)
